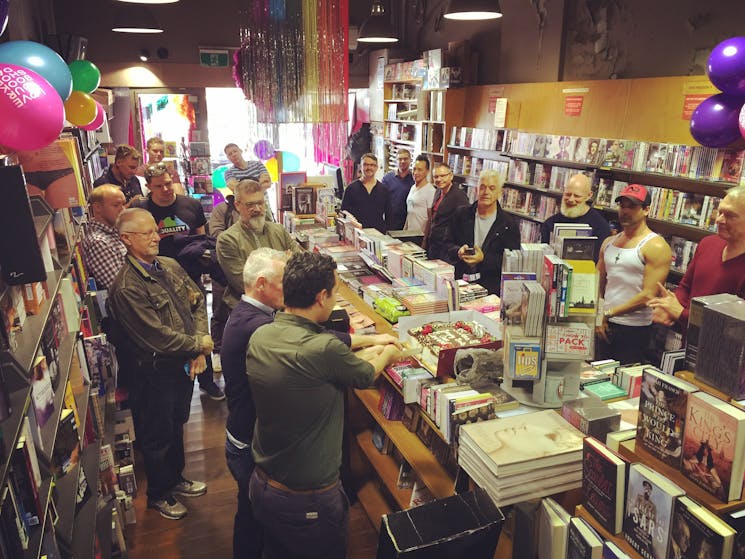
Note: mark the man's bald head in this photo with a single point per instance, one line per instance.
(577, 194)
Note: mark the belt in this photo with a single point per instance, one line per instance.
(282, 487)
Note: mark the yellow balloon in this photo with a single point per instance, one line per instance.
(80, 108)
(271, 166)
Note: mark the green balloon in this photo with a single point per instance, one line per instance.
(85, 76)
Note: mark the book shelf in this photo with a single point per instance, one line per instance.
(18, 356)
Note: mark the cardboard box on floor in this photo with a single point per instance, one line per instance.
(464, 525)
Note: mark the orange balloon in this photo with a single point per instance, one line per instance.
(80, 108)
(271, 166)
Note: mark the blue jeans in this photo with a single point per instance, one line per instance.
(307, 525)
(246, 530)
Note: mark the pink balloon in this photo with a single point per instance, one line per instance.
(31, 111)
(97, 122)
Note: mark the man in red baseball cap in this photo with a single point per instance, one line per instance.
(630, 265)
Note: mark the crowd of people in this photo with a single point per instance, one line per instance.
(285, 374)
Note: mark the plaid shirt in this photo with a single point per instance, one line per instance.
(104, 253)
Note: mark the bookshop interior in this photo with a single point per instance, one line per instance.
(470, 274)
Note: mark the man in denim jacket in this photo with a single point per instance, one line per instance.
(162, 321)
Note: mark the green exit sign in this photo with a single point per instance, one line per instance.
(213, 58)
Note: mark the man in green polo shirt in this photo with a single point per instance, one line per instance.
(298, 377)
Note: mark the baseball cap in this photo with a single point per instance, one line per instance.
(636, 193)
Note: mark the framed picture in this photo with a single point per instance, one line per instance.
(286, 182)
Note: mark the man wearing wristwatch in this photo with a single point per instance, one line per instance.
(630, 265)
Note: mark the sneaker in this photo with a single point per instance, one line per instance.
(216, 364)
(214, 392)
(168, 508)
(189, 488)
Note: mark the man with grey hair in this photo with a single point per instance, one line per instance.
(718, 266)
(478, 234)
(262, 297)
(576, 207)
(235, 244)
(161, 314)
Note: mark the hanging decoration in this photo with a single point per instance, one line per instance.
(292, 65)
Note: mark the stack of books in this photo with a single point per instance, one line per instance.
(522, 457)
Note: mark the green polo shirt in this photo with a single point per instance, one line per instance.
(298, 376)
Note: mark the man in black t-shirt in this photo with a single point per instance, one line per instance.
(176, 216)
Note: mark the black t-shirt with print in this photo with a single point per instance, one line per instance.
(179, 219)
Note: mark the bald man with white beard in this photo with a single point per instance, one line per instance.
(576, 207)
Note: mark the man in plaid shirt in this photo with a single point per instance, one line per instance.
(104, 251)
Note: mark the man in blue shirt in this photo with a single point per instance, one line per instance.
(399, 184)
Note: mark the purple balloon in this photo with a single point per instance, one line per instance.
(4, 5)
(264, 149)
(715, 122)
(726, 66)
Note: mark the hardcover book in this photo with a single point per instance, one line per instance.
(714, 446)
(593, 418)
(663, 402)
(583, 542)
(736, 519)
(649, 508)
(721, 348)
(67, 445)
(698, 532)
(604, 484)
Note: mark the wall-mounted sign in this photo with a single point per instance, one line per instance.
(573, 105)
(214, 58)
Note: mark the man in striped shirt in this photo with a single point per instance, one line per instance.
(241, 168)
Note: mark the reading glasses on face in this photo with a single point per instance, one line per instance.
(442, 176)
(150, 233)
(252, 205)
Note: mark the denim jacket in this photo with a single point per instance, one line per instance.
(145, 310)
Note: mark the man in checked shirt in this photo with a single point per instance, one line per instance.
(103, 249)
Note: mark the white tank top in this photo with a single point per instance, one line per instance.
(624, 268)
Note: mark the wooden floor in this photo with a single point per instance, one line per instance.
(207, 532)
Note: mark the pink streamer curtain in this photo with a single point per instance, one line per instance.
(293, 66)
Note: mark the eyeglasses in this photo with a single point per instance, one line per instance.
(252, 205)
(155, 170)
(442, 176)
(151, 233)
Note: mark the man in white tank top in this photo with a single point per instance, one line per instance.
(630, 265)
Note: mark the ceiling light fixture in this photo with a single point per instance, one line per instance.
(150, 1)
(377, 28)
(145, 55)
(135, 18)
(472, 10)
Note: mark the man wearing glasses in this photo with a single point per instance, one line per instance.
(176, 216)
(368, 199)
(122, 172)
(252, 231)
(447, 200)
(163, 314)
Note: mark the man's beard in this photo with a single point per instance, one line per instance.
(257, 223)
(574, 211)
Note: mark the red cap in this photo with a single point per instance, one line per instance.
(636, 193)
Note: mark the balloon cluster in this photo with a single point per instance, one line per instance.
(38, 91)
(719, 120)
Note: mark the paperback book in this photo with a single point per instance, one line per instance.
(698, 532)
(604, 484)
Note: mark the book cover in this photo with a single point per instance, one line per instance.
(583, 542)
(736, 519)
(731, 166)
(697, 532)
(604, 484)
(593, 418)
(66, 452)
(605, 390)
(578, 248)
(570, 339)
(517, 443)
(714, 446)
(24, 485)
(582, 292)
(663, 401)
(51, 173)
(511, 293)
(525, 358)
(649, 508)
(553, 530)
(42, 393)
(201, 166)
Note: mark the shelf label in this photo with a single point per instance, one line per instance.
(573, 105)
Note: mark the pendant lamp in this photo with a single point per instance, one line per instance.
(472, 10)
(135, 18)
(377, 28)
